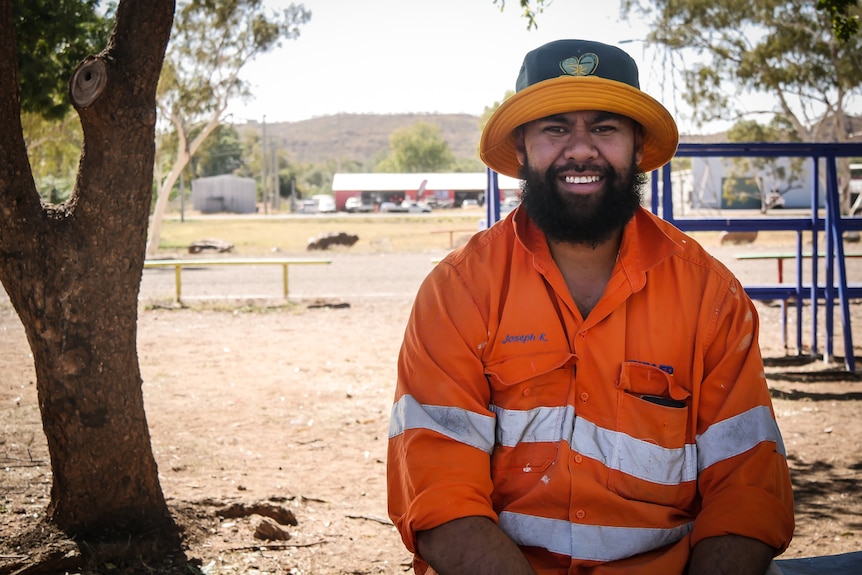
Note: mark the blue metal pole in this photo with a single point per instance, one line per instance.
(492, 198)
(815, 252)
(836, 233)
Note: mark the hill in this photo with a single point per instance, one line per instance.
(363, 137)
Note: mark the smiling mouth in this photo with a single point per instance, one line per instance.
(582, 179)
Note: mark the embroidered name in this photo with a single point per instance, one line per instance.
(668, 369)
(524, 338)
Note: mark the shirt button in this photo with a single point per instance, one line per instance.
(578, 458)
(526, 391)
(585, 396)
(580, 514)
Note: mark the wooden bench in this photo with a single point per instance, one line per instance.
(178, 265)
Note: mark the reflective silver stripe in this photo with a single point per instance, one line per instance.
(464, 426)
(587, 542)
(738, 434)
(539, 425)
(615, 450)
(635, 457)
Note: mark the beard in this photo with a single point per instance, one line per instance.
(576, 219)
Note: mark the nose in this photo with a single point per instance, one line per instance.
(580, 146)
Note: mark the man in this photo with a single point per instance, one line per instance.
(580, 388)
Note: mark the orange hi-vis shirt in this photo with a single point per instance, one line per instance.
(607, 444)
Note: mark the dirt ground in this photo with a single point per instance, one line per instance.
(289, 406)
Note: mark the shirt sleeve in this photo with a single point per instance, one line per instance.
(743, 478)
(441, 432)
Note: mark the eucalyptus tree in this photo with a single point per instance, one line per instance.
(72, 272)
(840, 14)
(729, 51)
(210, 45)
(417, 148)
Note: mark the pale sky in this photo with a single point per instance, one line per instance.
(431, 56)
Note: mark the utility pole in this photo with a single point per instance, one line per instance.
(276, 193)
(264, 181)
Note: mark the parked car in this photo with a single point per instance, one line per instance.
(470, 204)
(306, 206)
(407, 206)
(325, 203)
(354, 204)
(415, 207)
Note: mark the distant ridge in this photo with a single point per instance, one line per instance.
(363, 138)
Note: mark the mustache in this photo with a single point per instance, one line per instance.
(555, 171)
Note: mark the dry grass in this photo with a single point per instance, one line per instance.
(268, 235)
(261, 236)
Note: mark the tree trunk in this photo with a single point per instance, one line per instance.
(73, 274)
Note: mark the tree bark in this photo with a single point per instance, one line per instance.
(73, 274)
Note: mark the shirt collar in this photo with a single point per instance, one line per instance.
(646, 242)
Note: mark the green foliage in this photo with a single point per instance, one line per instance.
(785, 48)
(769, 177)
(221, 153)
(740, 193)
(489, 110)
(54, 147)
(844, 23)
(778, 130)
(417, 148)
(53, 37)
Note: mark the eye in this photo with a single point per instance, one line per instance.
(556, 129)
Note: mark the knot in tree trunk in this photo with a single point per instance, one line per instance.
(88, 82)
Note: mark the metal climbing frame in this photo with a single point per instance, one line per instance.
(832, 223)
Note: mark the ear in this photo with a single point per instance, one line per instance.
(520, 149)
(639, 143)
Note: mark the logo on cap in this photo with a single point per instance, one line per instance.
(585, 65)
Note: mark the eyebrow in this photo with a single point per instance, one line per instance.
(601, 116)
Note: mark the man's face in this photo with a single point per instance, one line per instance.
(581, 181)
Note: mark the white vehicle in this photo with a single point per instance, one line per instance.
(325, 203)
(415, 207)
(354, 204)
(407, 206)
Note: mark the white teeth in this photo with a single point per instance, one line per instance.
(581, 179)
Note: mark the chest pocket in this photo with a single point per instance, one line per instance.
(528, 395)
(654, 457)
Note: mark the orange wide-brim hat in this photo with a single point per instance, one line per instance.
(572, 76)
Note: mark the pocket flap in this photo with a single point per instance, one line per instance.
(519, 369)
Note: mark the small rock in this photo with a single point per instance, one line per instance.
(268, 530)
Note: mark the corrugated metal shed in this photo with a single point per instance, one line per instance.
(225, 193)
(458, 181)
